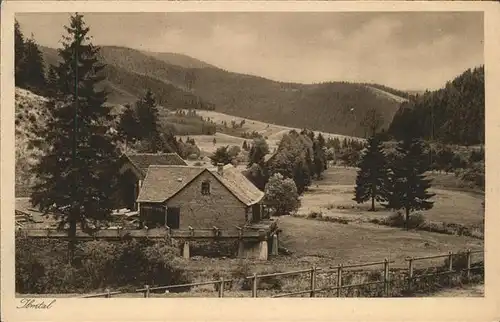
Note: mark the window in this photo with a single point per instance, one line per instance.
(205, 187)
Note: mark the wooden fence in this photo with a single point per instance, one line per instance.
(313, 273)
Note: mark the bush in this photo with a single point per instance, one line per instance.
(97, 263)
(415, 221)
(41, 266)
(315, 215)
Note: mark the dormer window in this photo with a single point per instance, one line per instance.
(205, 187)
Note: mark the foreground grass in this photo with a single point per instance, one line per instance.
(359, 243)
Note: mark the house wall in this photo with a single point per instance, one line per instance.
(220, 208)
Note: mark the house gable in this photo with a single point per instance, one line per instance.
(220, 207)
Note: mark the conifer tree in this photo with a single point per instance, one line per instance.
(34, 67)
(77, 175)
(408, 184)
(147, 114)
(372, 175)
(129, 127)
(51, 82)
(19, 55)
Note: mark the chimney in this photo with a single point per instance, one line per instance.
(220, 169)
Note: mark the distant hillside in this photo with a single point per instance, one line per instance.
(126, 86)
(182, 82)
(453, 114)
(179, 60)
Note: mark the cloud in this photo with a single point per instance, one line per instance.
(412, 50)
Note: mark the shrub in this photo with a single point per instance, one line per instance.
(41, 266)
(240, 273)
(397, 219)
(315, 215)
(97, 262)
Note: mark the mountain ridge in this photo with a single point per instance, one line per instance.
(336, 107)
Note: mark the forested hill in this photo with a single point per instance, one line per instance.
(453, 114)
(180, 81)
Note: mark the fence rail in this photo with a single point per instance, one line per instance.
(153, 233)
(313, 271)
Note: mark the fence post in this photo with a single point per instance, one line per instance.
(386, 277)
(339, 280)
(108, 295)
(410, 273)
(468, 264)
(254, 285)
(146, 291)
(221, 287)
(313, 281)
(450, 268)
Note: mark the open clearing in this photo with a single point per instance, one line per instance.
(207, 146)
(333, 195)
(271, 131)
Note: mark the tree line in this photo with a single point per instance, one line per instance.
(453, 114)
(141, 129)
(299, 159)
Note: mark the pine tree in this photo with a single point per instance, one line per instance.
(147, 114)
(129, 127)
(34, 67)
(372, 175)
(52, 82)
(408, 184)
(19, 59)
(77, 175)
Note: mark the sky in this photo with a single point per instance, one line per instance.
(404, 50)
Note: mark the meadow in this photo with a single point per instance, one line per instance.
(333, 195)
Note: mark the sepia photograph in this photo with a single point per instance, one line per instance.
(249, 154)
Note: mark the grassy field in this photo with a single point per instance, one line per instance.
(359, 243)
(333, 195)
(271, 131)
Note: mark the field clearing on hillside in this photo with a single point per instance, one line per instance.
(333, 195)
(206, 144)
(273, 132)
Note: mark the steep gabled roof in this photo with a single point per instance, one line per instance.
(142, 161)
(238, 184)
(163, 182)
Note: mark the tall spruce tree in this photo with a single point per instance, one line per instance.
(373, 173)
(19, 60)
(77, 174)
(51, 82)
(34, 67)
(129, 127)
(147, 114)
(408, 184)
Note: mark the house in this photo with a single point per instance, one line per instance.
(133, 169)
(184, 196)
